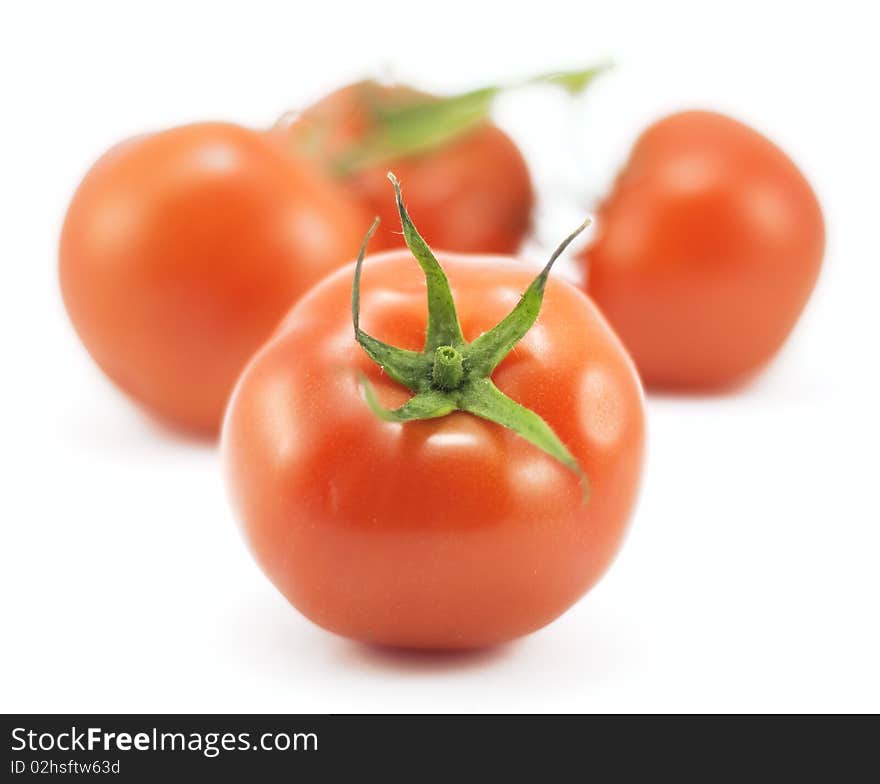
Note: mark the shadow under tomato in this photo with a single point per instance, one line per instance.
(417, 660)
(166, 429)
(710, 392)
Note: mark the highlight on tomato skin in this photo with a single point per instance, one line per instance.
(472, 193)
(182, 249)
(707, 250)
(446, 532)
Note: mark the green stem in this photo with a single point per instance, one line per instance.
(448, 370)
(423, 125)
(450, 374)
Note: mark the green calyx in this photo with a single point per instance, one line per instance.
(451, 374)
(419, 126)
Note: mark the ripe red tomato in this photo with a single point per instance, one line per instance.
(182, 250)
(451, 532)
(709, 246)
(472, 193)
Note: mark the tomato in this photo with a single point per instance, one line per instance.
(708, 248)
(472, 193)
(181, 251)
(446, 532)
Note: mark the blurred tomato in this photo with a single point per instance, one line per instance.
(182, 249)
(709, 246)
(472, 192)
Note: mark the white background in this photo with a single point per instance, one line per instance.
(750, 578)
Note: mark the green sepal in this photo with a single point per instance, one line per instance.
(424, 405)
(575, 82)
(443, 327)
(486, 401)
(410, 368)
(484, 353)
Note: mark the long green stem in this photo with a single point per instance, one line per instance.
(422, 125)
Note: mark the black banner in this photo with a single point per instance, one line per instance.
(278, 747)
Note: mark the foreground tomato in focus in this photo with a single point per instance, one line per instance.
(181, 251)
(472, 192)
(476, 511)
(708, 248)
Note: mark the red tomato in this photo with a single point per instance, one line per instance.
(182, 250)
(709, 246)
(445, 533)
(473, 193)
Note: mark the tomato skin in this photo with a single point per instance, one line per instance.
(473, 194)
(181, 251)
(708, 248)
(446, 533)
